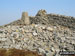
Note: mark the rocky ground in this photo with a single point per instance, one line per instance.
(44, 33)
(46, 40)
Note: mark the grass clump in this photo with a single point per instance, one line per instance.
(17, 52)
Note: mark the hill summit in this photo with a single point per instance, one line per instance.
(46, 19)
(46, 34)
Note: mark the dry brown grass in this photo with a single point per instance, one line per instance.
(2, 52)
(17, 52)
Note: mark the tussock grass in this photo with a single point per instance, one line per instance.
(17, 52)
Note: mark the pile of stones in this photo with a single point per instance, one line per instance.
(46, 40)
(37, 34)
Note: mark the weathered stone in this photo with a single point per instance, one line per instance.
(30, 35)
(1, 31)
(39, 29)
(13, 41)
(26, 30)
(41, 50)
(26, 39)
(15, 34)
(43, 28)
(53, 50)
(41, 13)
(17, 46)
(73, 41)
(35, 34)
(49, 28)
(36, 25)
(33, 25)
(3, 39)
(50, 53)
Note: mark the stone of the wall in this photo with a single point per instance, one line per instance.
(25, 18)
(41, 13)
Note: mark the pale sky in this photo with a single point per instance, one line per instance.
(11, 10)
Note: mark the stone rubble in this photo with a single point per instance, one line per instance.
(46, 40)
(45, 33)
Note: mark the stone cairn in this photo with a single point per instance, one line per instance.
(25, 18)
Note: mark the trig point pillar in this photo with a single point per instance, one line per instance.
(25, 18)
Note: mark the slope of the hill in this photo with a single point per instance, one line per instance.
(46, 40)
(47, 34)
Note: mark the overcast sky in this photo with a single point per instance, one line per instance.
(11, 10)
